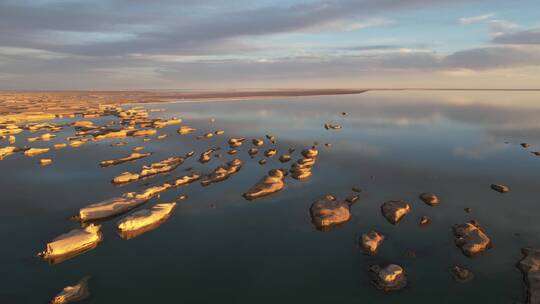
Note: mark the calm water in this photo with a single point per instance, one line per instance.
(392, 145)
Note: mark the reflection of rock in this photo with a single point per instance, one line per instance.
(328, 211)
(163, 166)
(461, 274)
(72, 243)
(530, 268)
(269, 184)
(131, 157)
(429, 198)
(389, 278)
(74, 293)
(222, 173)
(394, 211)
(371, 242)
(144, 220)
(500, 188)
(110, 207)
(471, 238)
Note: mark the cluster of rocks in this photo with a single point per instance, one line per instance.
(302, 168)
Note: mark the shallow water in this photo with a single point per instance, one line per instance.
(218, 247)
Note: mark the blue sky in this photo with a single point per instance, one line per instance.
(215, 44)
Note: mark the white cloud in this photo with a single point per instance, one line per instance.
(475, 19)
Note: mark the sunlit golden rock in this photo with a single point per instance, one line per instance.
(144, 133)
(60, 146)
(186, 130)
(77, 143)
(258, 142)
(186, 179)
(222, 173)
(500, 188)
(139, 222)
(328, 126)
(270, 152)
(394, 211)
(45, 161)
(206, 156)
(219, 132)
(113, 134)
(371, 242)
(35, 151)
(7, 151)
(269, 184)
(74, 293)
(284, 158)
(43, 137)
(471, 238)
(389, 278)
(12, 139)
(84, 124)
(131, 157)
(163, 166)
(162, 136)
(310, 153)
(328, 211)
(235, 142)
(162, 123)
(72, 243)
(429, 198)
(148, 193)
(110, 207)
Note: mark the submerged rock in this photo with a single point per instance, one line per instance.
(269, 184)
(530, 268)
(110, 207)
(222, 173)
(429, 198)
(371, 242)
(471, 238)
(389, 278)
(394, 211)
(72, 243)
(73, 293)
(328, 211)
(461, 274)
(500, 188)
(35, 151)
(144, 220)
(131, 157)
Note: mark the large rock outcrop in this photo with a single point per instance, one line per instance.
(530, 267)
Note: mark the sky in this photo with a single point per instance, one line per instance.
(264, 44)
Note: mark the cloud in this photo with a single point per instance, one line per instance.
(531, 36)
(475, 19)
